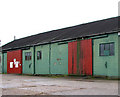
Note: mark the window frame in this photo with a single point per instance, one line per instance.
(28, 56)
(107, 50)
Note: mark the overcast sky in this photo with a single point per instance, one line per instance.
(28, 17)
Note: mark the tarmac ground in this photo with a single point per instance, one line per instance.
(12, 84)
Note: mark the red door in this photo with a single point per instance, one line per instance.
(85, 57)
(80, 57)
(72, 57)
(14, 62)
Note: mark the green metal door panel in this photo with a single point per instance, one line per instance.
(119, 55)
(28, 65)
(100, 62)
(4, 63)
(0, 62)
(98, 65)
(59, 59)
(42, 65)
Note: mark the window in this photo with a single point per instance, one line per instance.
(107, 49)
(25, 56)
(39, 55)
(28, 56)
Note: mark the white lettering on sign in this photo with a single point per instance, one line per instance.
(16, 63)
(11, 64)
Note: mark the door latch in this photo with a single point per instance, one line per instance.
(105, 64)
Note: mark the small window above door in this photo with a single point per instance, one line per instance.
(28, 56)
(39, 55)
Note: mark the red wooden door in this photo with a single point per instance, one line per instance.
(80, 57)
(85, 57)
(14, 62)
(72, 57)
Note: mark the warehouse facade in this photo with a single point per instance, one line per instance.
(86, 49)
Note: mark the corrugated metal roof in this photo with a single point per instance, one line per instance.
(83, 30)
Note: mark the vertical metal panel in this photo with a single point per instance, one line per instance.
(42, 65)
(28, 65)
(4, 63)
(119, 56)
(80, 57)
(14, 57)
(72, 57)
(85, 65)
(59, 58)
(0, 62)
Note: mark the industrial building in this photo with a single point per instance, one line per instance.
(86, 49)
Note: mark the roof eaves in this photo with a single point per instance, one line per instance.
(110, 32)
(113, 31)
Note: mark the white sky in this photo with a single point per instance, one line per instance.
(28, 17)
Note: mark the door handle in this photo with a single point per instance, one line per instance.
(105, 64)
(30, 65)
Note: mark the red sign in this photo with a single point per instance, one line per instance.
(14, 62)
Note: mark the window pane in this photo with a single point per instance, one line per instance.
(25, 56)
(101, 49)
(107, 47)
(111, 48)
(30, 55)
(106, 52)
(39, 55)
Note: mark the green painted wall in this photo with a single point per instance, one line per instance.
(99, 61)
(0, 62)
(4, 63)
(28, 65)
(42, 65)
(119, 56)
(59, 58)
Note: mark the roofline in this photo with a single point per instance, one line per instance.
(66, 28)
(67, 39)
